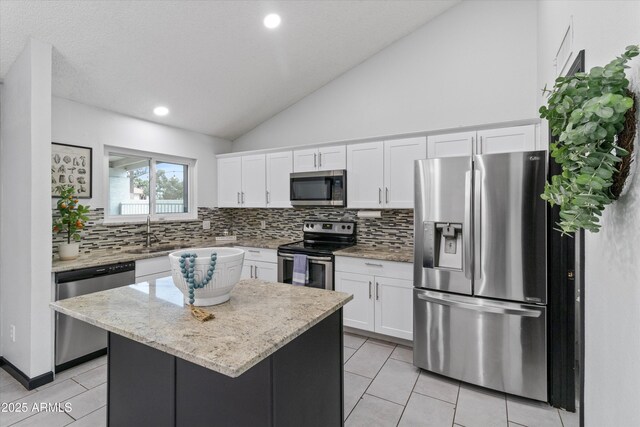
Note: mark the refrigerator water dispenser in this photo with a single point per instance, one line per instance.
(442, 245)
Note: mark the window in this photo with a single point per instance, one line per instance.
(142, 184)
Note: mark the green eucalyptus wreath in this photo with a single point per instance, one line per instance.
(587, 112)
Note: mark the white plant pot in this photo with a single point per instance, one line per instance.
(68, 251)
(226, 275)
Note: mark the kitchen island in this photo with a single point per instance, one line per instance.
(272, 356)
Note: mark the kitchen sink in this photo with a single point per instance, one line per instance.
(154, 249)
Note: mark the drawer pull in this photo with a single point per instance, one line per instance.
(253, 251)
(371, 264)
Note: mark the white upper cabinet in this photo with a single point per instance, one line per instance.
(451, 145)
(507, 140)
(365, 175)
(399, 158)
(229, 182)
(253, 181)
(279, 166)
(305, 160)
(241, 181)
(319, 159)
(503, 140)
(380, 174)
(332, 158)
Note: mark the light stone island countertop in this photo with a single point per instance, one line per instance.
(104, 257)
(385, 254)
(259, 319)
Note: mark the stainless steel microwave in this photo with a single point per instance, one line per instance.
(322, 188)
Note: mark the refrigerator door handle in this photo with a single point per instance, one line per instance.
(480, 305)
(466, 227)
(477, 224)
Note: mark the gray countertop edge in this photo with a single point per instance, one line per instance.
(207, 363)
(382, 254)
(99, 258)
(115, 256)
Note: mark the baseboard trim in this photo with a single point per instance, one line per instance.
(22, 378)
(377, 336)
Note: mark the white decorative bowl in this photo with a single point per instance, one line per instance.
(226, 275)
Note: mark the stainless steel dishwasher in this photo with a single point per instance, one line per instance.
(77, 341)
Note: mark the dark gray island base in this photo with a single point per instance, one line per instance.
(301, 384)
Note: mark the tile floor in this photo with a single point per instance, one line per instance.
(382, 388)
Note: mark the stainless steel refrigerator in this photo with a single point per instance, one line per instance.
(480, 271)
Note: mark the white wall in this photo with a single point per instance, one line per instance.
(25, 213)
(474, 64)
(612, 294)
(79, 124)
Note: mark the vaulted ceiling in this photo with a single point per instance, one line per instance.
(213, 63)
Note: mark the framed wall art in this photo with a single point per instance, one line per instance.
(71, 165)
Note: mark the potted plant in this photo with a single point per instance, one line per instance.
(593, 116)
(71, 221)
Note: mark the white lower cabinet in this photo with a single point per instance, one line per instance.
(394, 307)
(359, 312)
(380, 304)
(260, 263)
(267, 271)
(152, 268)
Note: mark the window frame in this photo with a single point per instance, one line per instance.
(153, 158)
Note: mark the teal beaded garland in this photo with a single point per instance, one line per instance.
(187, 268)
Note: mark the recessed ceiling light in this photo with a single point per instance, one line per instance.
(161, 111)
(272, 20)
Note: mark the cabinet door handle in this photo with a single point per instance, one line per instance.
(369, 289)
(320, 159)
(377, 291)
(238, 197)
(315, 165)
(242, 193)
(379, 195)
(252, 271)
(267, 196)
(480, 145)
(256, 272)
(474, 146)
(386, 193)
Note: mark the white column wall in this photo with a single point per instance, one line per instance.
(25, 212)
(612, 276)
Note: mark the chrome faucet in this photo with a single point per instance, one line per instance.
(149, 234)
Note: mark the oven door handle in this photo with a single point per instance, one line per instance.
(310, 258)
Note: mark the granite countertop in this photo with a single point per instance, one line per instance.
(104, 257)
(381, 253)
(259, 319)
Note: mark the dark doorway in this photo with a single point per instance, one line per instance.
(566, 286)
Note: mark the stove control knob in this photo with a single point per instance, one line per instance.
(348, 227)
(343, 227)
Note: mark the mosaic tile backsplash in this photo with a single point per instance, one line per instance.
(393, 230)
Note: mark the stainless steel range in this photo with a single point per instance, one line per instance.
(320, 240)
